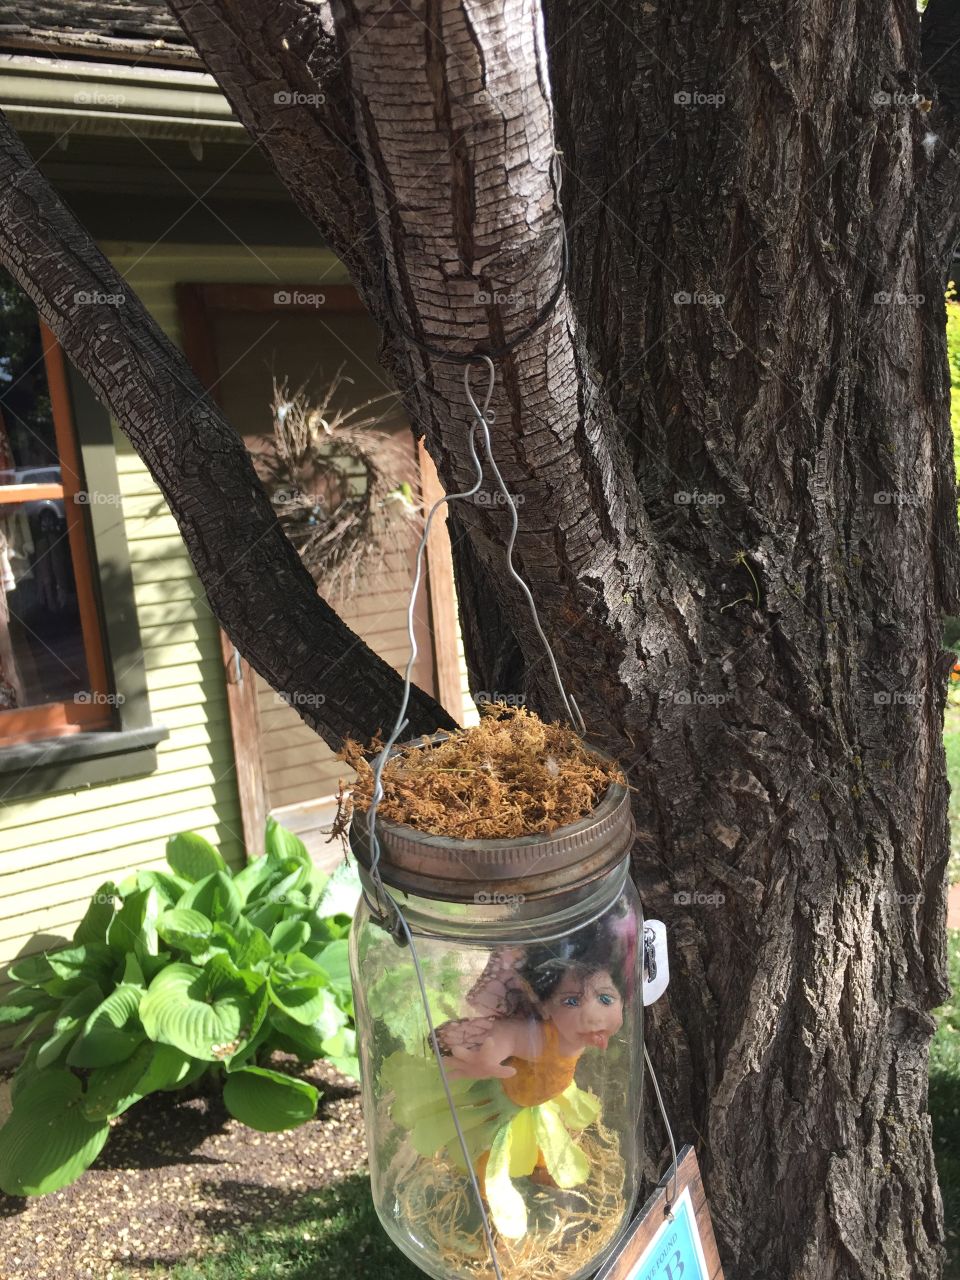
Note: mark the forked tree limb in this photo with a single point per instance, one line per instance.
(255, 582)
(452, 145)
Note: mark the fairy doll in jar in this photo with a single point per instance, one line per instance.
(511, 1067)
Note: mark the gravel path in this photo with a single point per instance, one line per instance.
(174, 1173)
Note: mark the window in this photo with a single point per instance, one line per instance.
(74, 709)
(53, 678)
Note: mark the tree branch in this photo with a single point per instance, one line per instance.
(255, 582)
(451, 121)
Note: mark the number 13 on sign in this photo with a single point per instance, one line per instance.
(675, 1253)
(675, 1246)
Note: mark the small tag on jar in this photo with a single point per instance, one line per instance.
(674, 1244)
(656, 963)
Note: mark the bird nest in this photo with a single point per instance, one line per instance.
(345, 492)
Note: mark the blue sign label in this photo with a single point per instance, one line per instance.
(675, 1252)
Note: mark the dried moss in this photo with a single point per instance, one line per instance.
(511, 775)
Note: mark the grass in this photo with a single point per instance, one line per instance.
(945, 1106)
(333, 1234)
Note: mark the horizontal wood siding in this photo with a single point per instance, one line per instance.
(56, 850)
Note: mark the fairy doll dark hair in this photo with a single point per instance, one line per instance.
(609, 947)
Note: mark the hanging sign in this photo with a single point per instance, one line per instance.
(675, 1246)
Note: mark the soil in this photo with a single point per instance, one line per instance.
(176, 1172)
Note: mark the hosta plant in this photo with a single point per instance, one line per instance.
(175, 975)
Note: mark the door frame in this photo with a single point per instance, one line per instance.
(196, 307)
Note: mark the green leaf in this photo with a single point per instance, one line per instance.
(565, 1162)
(31, 970)
(269, 1100)
(65, 1028)
(507, 1208)
(48, 1142)
(112, 1089)
(324, 930)
(112, 1031)
(91, 962)
(524, 1148)
(185, 929)
(244, 943)
(289, 935)
(215, 896)
(256, 1034)
(342, 892)
(45, 1018)
(103, 904)
(202, 1012)
(152, 1067)
(192, 857)
(22, 1003)
(25, 1072)
(334, 959)
(170, 889)
(169, 1068)
(254, 876)
(300, 988)
(283, 843)
(134, 927)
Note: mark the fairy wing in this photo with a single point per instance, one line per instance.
(501, 991)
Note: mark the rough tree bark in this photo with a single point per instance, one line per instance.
(732, 444)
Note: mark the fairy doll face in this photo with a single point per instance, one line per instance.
(586, 1008)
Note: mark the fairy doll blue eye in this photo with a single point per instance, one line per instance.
(572, 1002)
(605, 999)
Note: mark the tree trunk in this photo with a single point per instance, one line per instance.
(728, 425)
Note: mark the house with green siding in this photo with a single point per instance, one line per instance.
(125, 716)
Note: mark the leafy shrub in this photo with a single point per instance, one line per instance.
(173, 976)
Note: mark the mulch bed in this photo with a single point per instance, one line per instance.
(175, 1173)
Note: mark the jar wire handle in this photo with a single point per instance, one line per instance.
(672, 1191)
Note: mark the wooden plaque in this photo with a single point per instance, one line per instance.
(678, 1247)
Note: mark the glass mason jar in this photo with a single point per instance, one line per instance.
(531, 952)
